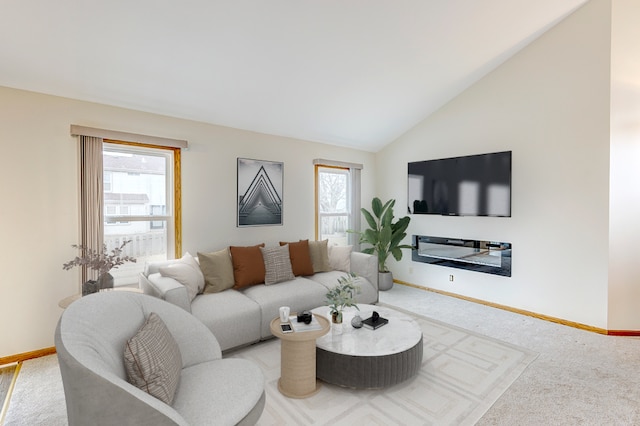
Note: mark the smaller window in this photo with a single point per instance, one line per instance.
(333, 204)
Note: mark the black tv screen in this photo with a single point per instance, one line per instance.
(474, 185)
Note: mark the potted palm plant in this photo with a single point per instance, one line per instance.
(384, 236)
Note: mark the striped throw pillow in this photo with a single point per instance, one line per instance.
(152, 359)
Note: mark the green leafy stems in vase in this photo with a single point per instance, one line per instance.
(100, 261)
(342, 296)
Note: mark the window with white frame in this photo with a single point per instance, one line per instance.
(337, 202)
(138, 205)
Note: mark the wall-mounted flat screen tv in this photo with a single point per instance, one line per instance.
(474, 185)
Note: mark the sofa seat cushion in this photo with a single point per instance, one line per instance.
(219, 392)
(367, 293)
(231, 316)
(299, 294)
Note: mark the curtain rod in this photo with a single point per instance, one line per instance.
(127, 137)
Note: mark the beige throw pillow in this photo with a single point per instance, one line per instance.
(153, 361)
(319, 256)
(277, 264)
(340, 258)
(217, 269)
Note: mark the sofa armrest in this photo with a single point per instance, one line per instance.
(166, 289)
(365, 265)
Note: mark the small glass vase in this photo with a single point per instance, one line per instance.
(356, 321)
(336, 317)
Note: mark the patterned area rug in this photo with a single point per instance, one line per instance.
(462, 375)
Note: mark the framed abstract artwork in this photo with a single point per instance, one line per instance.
(260, 190)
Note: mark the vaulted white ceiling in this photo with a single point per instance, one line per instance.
(355, 73)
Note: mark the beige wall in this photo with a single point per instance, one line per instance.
(549, 104)
(39, 210)
(624, 273)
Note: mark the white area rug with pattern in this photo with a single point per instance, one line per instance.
(462, 375)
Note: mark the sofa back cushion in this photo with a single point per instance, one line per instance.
(248, 265)
(300, 257)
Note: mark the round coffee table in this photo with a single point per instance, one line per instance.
(369, 359)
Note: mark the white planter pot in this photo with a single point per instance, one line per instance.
(385, 281)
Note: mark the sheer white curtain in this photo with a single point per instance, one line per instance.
(91, 184)
(354, 218)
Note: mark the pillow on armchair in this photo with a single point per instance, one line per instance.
(153, 361)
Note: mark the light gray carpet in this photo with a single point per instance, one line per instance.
(579, 377)
(6, 376)
(463, 374)
(38, 397)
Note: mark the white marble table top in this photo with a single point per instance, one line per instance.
(400, 334)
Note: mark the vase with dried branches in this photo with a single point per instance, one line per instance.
(101, 261)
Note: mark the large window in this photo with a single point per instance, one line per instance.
(139, 204)
(337, 202)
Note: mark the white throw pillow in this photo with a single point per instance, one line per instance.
(340, 258)
(187, 272)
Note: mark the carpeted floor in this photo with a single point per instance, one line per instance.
(6, 376)
(463, 374)
(7, 373)
(38, 397)
(579, 377)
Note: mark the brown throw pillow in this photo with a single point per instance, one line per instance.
(248, 265)
(153, 361)
(300, 257)
(319, 255)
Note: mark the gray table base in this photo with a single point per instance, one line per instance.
(368, 372)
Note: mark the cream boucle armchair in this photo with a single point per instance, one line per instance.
(90, 340)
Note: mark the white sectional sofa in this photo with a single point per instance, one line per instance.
(241, 316)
